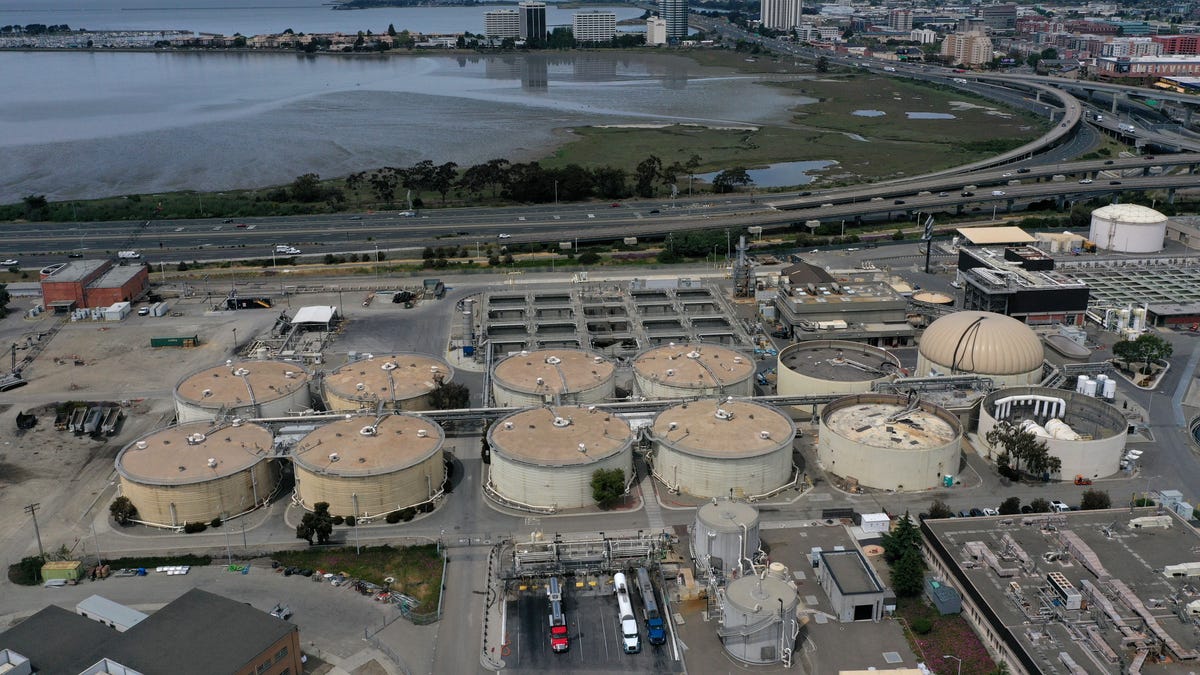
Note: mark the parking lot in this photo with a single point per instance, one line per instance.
(591, 611)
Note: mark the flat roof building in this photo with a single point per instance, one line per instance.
(1020, 281)
(92, 283)
(594, 26)
(853, 587)
(502, 23)
(814, 303)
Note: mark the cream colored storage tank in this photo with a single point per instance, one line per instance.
(243, 389)
(367, 467)
(1085, 433)
(885, 442)
(198, 471)
(981, 343)
(933, 298)
(543, 458)
(562, 376)
(1128, 228)
(722, 448)
(833, 367)
(725, 533)
(400, 381)
(758, 619)
(693, 370)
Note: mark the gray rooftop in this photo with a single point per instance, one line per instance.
(850, 572)
(116, 277)
(838, 361)
(99, 607)
(76, 270)
(1010, 558)
(88, 644)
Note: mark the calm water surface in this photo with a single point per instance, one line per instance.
(75, 125)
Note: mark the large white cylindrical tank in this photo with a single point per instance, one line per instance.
(399, 381)
(981, 343)
(758, 619)
(1086, 434)
(544, 458)
(883, 441)
(198, 471)
(367, 466)
(723, 448)
(1128, 228)
(562, 376)
(242, 389)
(725, 534)
(693, 370)
(1110, 390)
(833, 367)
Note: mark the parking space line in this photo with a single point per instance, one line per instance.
(604, 630)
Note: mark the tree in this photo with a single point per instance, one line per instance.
(450, 396)
(1039, 505)
(122, 510)
(442, 179)
(908, 574)
(730, 178)
(589, 258)
(1094, 500)
(608, 486)
(1147, 348)
(822, 64)
(4, 299)
(1018, 446)
(903, 537)
(306, 188)
(318, 523)
(939, 509)
(646, 175)
(1010, 506)
(391, 30)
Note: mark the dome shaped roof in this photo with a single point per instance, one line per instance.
(983, 343)
(1129, 213)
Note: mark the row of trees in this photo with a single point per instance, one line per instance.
(1147, 349)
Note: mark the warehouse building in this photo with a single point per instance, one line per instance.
(92, 283)
(853, 588)
(1020, 281)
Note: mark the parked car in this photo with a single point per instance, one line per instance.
(281, 611)
(143, 311)
(991, 512)
(975, 513)
(1059, 507)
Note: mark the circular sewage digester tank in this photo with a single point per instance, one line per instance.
(833, 367)
(1128, 228)
(723, 448)
(759, 619)
(887, 442)
(725, 533)
(933, 298)
(564, 376)
(693, 370)
(981, 343)
(243, 389)
(543, 458)
(367, 467)
(400, 381)
(198, 471)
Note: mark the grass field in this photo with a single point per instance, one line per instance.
(417, 570)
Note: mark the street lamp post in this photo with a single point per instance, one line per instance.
(951, 656)
(556, 193)
(235, 343)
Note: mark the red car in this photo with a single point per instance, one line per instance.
(615, 205)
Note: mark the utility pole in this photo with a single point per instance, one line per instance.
(99, 555)
(357, 550)
(32, 510)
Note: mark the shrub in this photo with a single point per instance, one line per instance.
(408, 514)
(192, 528)
(393, 517)
(350, 521)
(122, 510)
(216, 522)
(922, 626)
(28, 572)
(338, 520)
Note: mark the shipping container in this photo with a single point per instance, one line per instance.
(71, 570)
(181, 341)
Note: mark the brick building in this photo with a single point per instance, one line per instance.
(92, 283)
(1179, 44)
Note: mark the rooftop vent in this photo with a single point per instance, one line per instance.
(290, 374)
(422, 433)
(212, 462)
(670, 372)
(206, 393)
(360, 386)
(368, 431)
(723, 414)
(561, 422)
(598, 359)
(693, 354)
(142, 445)
(508, 425)
(672, 426)
(764, 434)
(390, 365)
(737, 359)
(241, 372)
(540, 381)
(583, 448)
(195, 439)
(333, 457)
(553, 360)
(237, 422)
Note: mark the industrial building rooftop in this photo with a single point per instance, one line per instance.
(698, 365)
(365, 446)
(77, 270)
(556, 371)
(839, 361)
(851, 572)
(890, 425)
(718, 428)
(242, 382)
(194, 452)
(560, 436)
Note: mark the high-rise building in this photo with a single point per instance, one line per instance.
(533, 20)
(782, 14)
(900, 19)
(969, 49)
(656, 31)
(675, 13)
(999, 17)
(1179, 44)
(502, 23)
(923, 35)
(594, 26)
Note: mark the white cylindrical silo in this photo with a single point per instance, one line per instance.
(725, 535)
(1110, 390)
(758, 619)
(723, 448)
(198, 471)
(243, 389)
(543, 459)
(692, 371)
(888, 442)
(368, 467)
(1089, 388)
(557, 376)
(1081, 383)
(1128, 228)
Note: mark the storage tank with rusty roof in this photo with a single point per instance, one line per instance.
(542, 459)
(368, 467)
(559, 376)
(398, 381)
(243, 389)
(198, 471)
(723, 448)
(693, 371)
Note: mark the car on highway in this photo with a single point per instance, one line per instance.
(355, 217)
(1007, 175)
(10, 262)
(1085, 181)
(998, 193)
(1023, 170)
(1108, 161)
(898, 201)
(967, 193)
(1114, 182)
(407, 214)
(655, 211)
(240, 226)
(504, 235)
(1147, 156)
(615, 205)
(74, 255)
(943, 194)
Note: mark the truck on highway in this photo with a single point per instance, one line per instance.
(656, 631)
(128, 255)
(631, 642)
(1127, 128)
